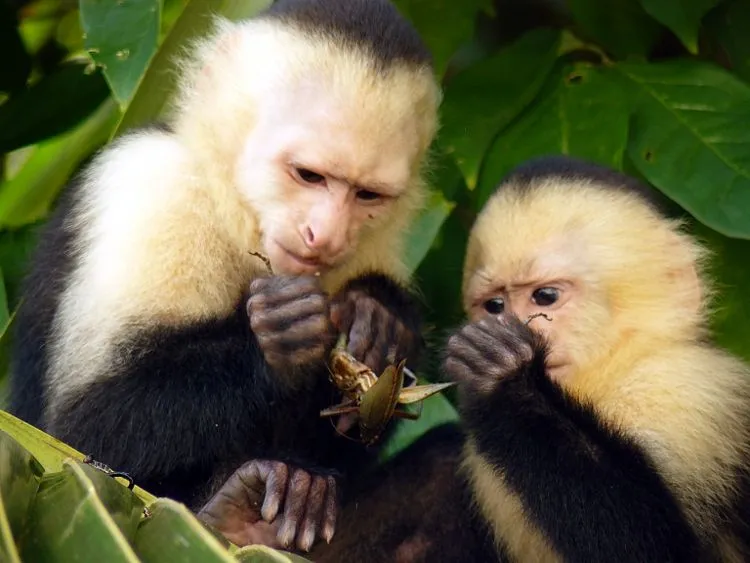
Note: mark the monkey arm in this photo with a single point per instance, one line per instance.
(184, 401)
(590, 489)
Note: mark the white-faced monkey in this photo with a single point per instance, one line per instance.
(609, 429)
(151, 335)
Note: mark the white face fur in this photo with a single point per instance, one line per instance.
(330, 182)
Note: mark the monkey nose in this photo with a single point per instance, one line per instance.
(328, 244)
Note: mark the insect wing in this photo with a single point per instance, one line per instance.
(421, 392)
(379, 402)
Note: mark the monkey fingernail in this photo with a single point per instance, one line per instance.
(270, 507)
(287, 532)
(308, 536)
(328, 532)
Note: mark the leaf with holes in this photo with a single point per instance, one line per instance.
(689, 138)
(566, 119)
(121, 37)
(683, 17)
(484, 98)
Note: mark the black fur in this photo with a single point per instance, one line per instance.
(375, 25)
(416, 508)
(179, 408)
(590, 489)
(528, 174)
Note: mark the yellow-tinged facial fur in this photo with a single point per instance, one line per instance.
(302, 108)
(620, 275)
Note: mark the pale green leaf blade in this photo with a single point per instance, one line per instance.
(689, 138)
(683, 17)
(29, 195)
(429, 17)
(20, 475)
(172, 528)
(68, 522)
(121, 37)
(566, 120)
(160, 80)
(423, 231)
(484, 98)
(49, 451)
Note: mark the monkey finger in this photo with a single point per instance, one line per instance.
(361, 333)
(274, 291)
(330, 510)
(276, 483)
(282, 317)
(294, 507)
(313, 513)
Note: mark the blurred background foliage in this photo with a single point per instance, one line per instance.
(656, 88)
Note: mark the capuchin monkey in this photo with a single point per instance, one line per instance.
(598, 421)
(152, 335)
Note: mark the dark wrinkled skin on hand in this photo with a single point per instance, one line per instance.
(273, 504)
(376, 335)
(290, 318)
(482, 353)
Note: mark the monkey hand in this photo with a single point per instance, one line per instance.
(482, 353)
(246, 508)
(377, 334)
(290, 318)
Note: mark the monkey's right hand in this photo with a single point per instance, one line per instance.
(246, 508)
(289, 316)
(482, 353)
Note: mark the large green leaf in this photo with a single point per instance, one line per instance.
(51, 106)
(172, 528)
(423, 231)
(20, 475)
(484, 98)
(160, 80)
(566, 118)
(431, 18)
(622, 27)
(683, 17)
(121, 37)
(689, 138)
(729, 25)
(28, 196)
(69, 522)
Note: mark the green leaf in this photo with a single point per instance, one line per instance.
(20, 475)
(481, 100)
(172, 528)
(4, 310)
(683, 17)
(566, 118)
(16, 247)
(49, 451)
(431, 17)
(121, 38)
(729, 25)
(424, 230)
(621, 27)
(68, 522)
(263, 554)
(436, 410)
(29, 195)
(51, 106)
(160, 80)
(689, 139)
(16, 66)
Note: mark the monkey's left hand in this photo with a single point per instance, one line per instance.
(482, 353)
(246, 508)
(376, 333)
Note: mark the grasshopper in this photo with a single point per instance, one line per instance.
(374, 398)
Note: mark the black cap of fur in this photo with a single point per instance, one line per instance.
(373, 25)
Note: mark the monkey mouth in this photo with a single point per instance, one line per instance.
(307, 265)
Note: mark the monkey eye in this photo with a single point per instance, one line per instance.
(367, 195)
(309, 176)
(494, 306)
(545, 296)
